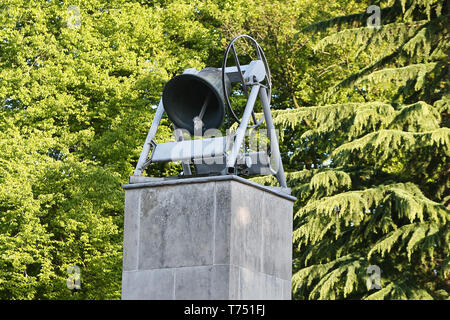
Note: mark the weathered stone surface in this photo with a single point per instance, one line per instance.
(131, 230)
(277, 237)
(287, 290)
(234, 283)
(222, 222)
(246, 226)
(204, 238)
(176, 226)
(256, 286)
(157, 284)
(202, 283)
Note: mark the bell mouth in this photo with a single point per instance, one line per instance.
(183, 98)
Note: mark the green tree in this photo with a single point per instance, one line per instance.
(75, 104)
(377, 190)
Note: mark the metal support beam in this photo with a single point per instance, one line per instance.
(233, 73)
(150, 136)
(240, 132)
(274, 146)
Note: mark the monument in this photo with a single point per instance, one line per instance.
(209, 233)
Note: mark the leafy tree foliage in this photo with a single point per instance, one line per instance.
(377, 190)
(74, 111)
(365, 136)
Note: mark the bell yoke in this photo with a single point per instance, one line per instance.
(195, 101)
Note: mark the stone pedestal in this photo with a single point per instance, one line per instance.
(206, 238)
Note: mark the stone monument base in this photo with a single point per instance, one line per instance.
(218, 237)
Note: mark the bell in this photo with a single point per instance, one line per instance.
(188, 98)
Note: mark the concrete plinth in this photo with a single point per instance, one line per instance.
(206, 238)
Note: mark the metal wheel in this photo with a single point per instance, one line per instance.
(268, 85)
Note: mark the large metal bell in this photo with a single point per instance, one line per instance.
(196, 96)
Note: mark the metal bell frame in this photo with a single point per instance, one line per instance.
(250, 76)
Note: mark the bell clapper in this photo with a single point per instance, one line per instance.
(198, 122)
